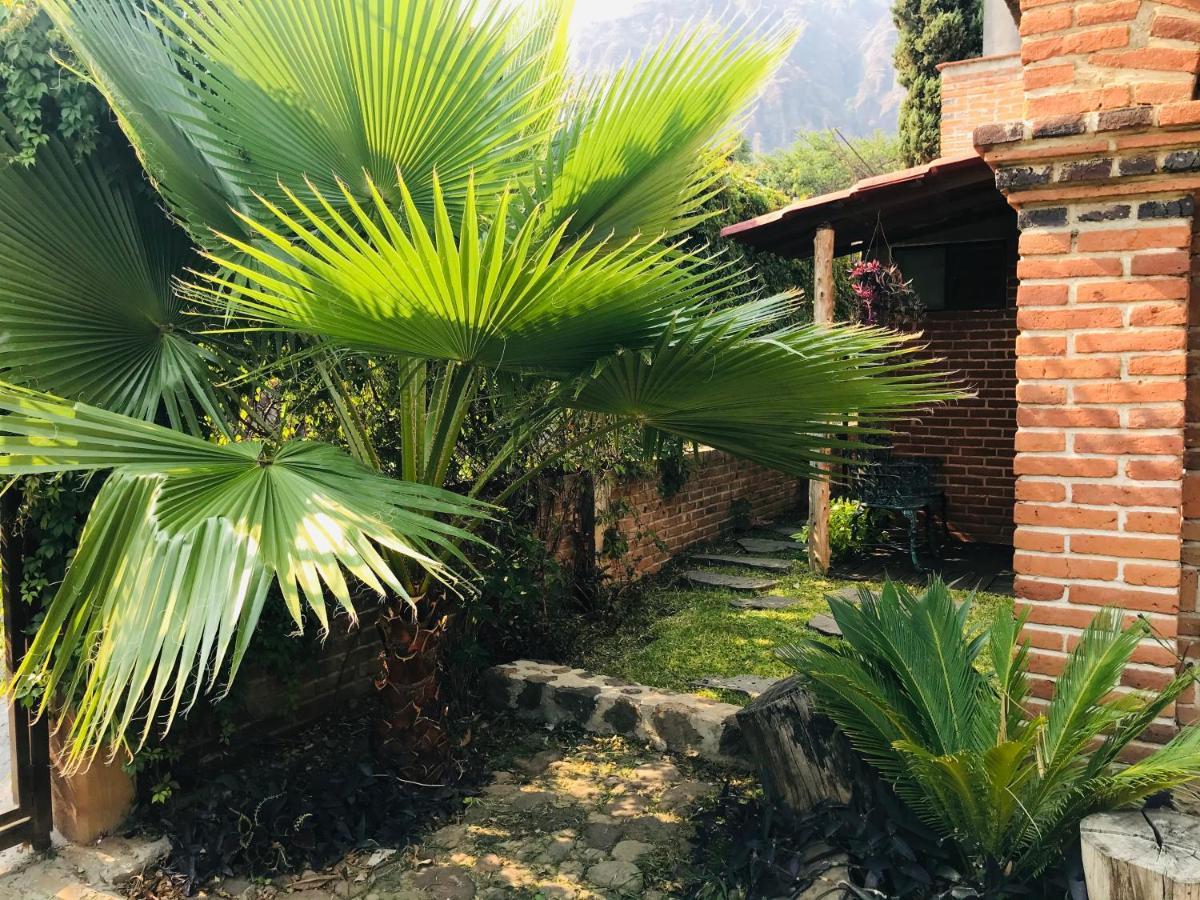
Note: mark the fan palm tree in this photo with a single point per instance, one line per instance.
(414, 188)
(946, 717)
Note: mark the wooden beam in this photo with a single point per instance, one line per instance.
(818, 488)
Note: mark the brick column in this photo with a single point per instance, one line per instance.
(1103, 172)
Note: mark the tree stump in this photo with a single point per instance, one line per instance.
(801, 757)
(1141, 856)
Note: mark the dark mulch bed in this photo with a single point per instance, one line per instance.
(283, 806)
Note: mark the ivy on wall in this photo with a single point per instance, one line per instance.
(39, 93)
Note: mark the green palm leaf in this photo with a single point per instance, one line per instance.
(1078, 713)
(131, 63)
(283, 90)
(87, 305)
(634, 153)
(473, 291)
(773, 397)
(182, 544)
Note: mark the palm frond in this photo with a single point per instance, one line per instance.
(182, 545)
(133, 65)
(1173, 765)
(1009, 663)
(776, 398)
(267, 91)
(472, 291)
(634, 154)
(87, 304)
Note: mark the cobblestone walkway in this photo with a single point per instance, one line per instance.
(602, 820)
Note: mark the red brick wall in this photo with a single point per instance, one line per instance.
(978, 92)
(1104, 172)
(656, 529)
(973, 437)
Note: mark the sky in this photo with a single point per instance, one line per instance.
(599, 10)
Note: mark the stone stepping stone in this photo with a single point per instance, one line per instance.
(753, 562)
(764, 545)
(768, 602)
(751, 685)
(737, 582)
(787, 530)
(826, 625)
(849, 594)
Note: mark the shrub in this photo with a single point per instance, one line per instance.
(946, 719)
(849, 527)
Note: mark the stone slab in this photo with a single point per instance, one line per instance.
(769, 602)
(751, 562)
(681, 723)
(97, 871)
(750, 685)
(849, 594)
(736, 582)
(787, 530)
(826, 625)
(765, 545)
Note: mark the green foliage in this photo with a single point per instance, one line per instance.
(848, 527)
(943, 714)
(417, 229)
(930, 32)
(669, 633)
(38, 97)
(820, 162)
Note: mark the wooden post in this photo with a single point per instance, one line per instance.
(818, 488)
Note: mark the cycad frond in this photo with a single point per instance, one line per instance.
(1078, 713)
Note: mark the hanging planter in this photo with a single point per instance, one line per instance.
(884, 297)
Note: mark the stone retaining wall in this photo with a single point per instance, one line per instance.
(681, 723)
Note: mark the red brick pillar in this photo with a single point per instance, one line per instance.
(1103, 172)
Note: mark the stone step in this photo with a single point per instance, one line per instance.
(765, 545)
(769, 602)
(737, 582)
(825, 624)
(751, 685)
(849, 594)
(753, 562)
(786, 530)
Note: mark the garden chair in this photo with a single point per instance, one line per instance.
(904, 485)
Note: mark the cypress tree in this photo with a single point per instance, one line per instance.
(930, 32)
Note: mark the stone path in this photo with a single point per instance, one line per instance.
(765, 603)
(750, 562)
(766, 545)
(826, 625)
(100, 871)
(737, 582)
(751, 685)
(604, 820)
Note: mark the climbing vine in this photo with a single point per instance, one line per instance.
(38, 96)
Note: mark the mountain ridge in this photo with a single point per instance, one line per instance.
(839, 74)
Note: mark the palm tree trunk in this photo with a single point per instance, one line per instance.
(412, 734)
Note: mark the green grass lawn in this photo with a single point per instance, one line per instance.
(677, 633)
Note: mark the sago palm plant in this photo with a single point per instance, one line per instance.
(410, 191)
(947, 718)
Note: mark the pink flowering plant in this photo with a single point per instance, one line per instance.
(884, 297)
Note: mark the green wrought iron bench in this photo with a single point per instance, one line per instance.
(905, 485)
